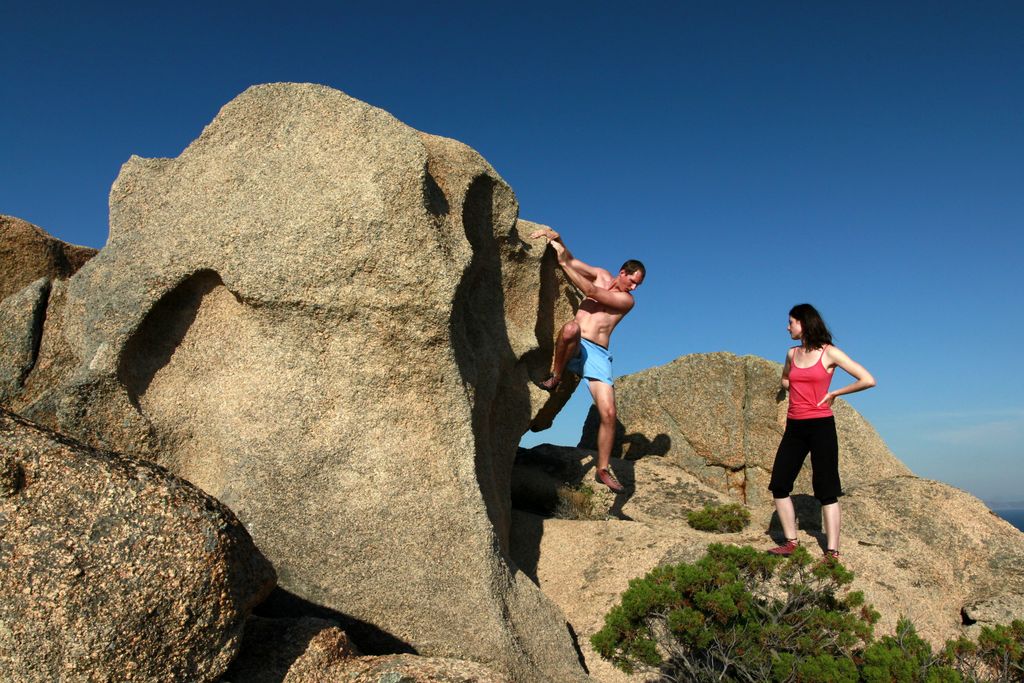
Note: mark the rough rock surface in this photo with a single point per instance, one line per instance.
(720, 417)
(918, 548)
(27, 253)
(21, 328)
(935, 554)
(668, 493)
(321, 663)
(312, 650)
(113, 569)
(271, 646)
(328, 321)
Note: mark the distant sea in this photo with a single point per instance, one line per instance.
(1013, 516)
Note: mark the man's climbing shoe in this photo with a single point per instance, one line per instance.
(786, 548)
(830, 556)
(607, 477)
(550, 384)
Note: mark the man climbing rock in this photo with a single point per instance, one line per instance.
(582, 343)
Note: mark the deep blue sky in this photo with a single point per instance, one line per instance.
(866, 157)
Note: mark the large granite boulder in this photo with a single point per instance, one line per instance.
(721, 417)
(111, 568)
(310, 668)
(27, 253)
(328, 321)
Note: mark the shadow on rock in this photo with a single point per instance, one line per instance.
(369, 638)
(271, 646)
(162, 330)
(626, 446)
(527, 530)
(558, 481)
(625, 472)
(808, 519)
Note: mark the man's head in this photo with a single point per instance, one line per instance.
(632, 274)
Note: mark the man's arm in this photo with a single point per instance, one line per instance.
(583, 275)
(620, 302)
(565, 257)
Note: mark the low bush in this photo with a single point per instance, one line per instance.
(904, 658)
(720, 519)
(740, 614)
(997, 656)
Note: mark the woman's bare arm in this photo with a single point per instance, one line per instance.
(864, 379)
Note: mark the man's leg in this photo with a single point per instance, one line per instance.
(566, 343)
(604, 401)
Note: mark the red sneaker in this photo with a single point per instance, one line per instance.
(607, 477)
(786, 548)
(550, 384)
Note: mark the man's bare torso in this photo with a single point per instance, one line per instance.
(596, 321)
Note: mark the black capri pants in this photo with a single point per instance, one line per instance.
(818, 436)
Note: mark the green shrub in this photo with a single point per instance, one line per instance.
(739, 614)
(904, 658)
(720, 518)
(997, 656)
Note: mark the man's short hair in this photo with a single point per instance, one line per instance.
(632, 265)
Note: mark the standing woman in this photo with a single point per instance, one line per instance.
(810, 425)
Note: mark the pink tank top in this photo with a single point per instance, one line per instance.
(807, 386)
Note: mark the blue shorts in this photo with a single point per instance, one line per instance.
(592, 361)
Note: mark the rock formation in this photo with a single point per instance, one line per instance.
(271, 646)
(113, 569)
(28, 253)
(312, 650)
(29, 260)
(311, 668)
(328, 320)
(21, 328)
(918, 548)
(720, 418)
(325, 660)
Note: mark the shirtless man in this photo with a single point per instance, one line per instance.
(582, 343)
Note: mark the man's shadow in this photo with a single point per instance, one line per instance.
(626, 449)
(540, 472)
(625, 472)
(632, 446)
